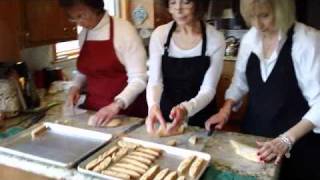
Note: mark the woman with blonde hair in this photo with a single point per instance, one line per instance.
(278, 67)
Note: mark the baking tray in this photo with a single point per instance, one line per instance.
(60, 145)
(170, 158)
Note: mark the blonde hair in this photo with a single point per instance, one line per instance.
(283, 10)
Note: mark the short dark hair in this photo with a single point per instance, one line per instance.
(97, 5)
(201, 7)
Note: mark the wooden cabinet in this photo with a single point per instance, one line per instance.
(10, 30)
(224, 83)
(45, 22)
(28, 23)
(162, 16)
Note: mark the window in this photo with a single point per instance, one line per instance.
(67, 50)
(70, 50)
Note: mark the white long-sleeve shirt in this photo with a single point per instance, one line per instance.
(306, 62)
(215, 49)
(130, 51)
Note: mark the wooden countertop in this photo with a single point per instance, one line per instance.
(224, 156)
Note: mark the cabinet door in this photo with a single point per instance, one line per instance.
(224, 83)
(162, 15)
(45, 22)
(10, 30)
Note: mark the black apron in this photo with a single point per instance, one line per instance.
(182, 79)
(277, 105)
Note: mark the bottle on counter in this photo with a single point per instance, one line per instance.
(27, 85)
(31, 95)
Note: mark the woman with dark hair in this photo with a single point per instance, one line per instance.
(112, 62)
(186, 60)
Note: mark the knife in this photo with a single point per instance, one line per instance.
(133, 127)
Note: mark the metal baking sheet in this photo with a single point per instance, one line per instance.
(60, 145)
(171, 157)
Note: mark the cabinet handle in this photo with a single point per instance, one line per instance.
(74, 28)
(65, 29)
(27, 34)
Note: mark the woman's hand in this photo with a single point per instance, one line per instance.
(105, 114)
(178, 114)
(73, 96)
(154, 116)
(276, 148)
(221, 118)
(272, 150)
(218, 120)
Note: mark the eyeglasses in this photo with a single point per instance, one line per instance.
(183, 4)
(80, 17)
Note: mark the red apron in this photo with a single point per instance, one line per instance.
(106, 76)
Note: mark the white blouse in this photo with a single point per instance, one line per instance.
(215, 49)
(306, 62)
(130, 51)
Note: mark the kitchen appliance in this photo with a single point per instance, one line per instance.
(232, 46)
(10, 104)
(226, 18)
(27, 86)
(225, 15)
(30, 98)
(228, 21)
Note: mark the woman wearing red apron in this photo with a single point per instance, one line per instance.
(112, 66)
